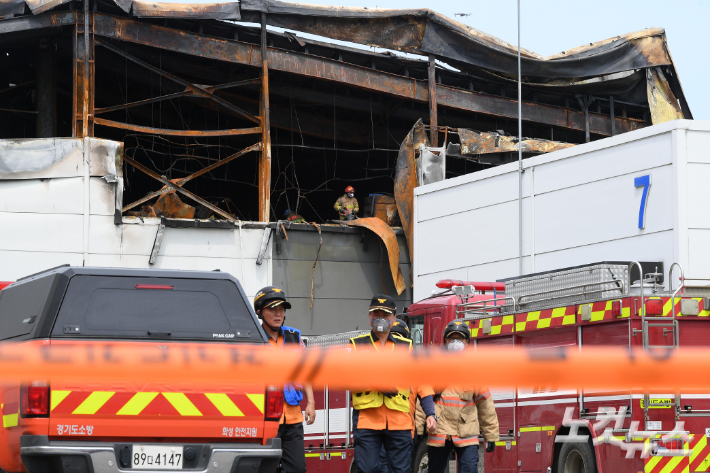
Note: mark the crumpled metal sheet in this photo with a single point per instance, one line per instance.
(389, 238)
(39, 6)
(473, 143)
(58, 157)
(405, 180)
(661, 100)
(214, 11)
(10, 8)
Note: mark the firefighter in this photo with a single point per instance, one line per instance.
(270, 304)
(346, 205)
(383, 418)
(459, 413)
(399, 327)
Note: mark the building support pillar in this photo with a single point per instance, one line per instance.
(83, 109)
(433, 119)
(265, 161)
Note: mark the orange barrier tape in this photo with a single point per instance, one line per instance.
(215, 364)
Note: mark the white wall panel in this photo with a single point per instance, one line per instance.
(698, 188)
(699, 248)
(602, 210)
(18, 264)
(49, 196)
(469, 238)
(481, 193)
(102, 197)
(54, 233)
(697, 145)
(585, 167)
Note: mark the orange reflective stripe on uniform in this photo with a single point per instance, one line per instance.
(154, 403)
(482, 396)
(434, 439)
(451, 401)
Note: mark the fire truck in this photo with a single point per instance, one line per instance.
(627, 304)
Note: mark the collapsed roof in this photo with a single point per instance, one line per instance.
(205, 65)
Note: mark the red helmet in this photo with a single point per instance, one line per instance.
(349, 189)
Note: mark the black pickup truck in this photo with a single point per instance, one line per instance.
(72, 427)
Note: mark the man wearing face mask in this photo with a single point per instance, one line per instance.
(270, 305)
(460, 412)
(383, 418)
(346, 205)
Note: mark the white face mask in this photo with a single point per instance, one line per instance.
(350, 194)
(380, 325)
(455, 345)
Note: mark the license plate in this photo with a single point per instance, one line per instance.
(157, 457)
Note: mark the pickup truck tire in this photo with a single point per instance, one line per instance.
(576, 458)
(421, 458)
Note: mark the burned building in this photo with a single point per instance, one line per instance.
(199, 121)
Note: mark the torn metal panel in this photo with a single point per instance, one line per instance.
(473, 143)
(663, 104)
(389, 238)
(405, 180)
(431, 165)
(58, 157)
(39, 6)
(214, 11)
(8, 9)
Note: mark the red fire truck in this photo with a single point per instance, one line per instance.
(609, 303)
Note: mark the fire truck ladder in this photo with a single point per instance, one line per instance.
(668, 325)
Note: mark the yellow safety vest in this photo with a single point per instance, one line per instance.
(373, 399)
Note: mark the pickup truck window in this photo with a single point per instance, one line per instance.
(20, 307)
(154, 309)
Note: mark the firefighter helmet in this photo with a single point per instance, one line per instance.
(270, 297)
(349, 189)
(399, 327)
(456, 326)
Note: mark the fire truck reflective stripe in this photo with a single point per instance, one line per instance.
(136, 404)
(700, 454)
(503, 444)
(57, 397)
(537, 429)
(312, 455)
(257, 400)
(94, 402)
(510, 319)
(10, 414)
(224, 404)
(182, 404)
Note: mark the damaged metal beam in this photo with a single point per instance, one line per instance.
(181, 182)
(191, 87)
(179, 189)
(164, 131)
(353, 75)
(265, 161)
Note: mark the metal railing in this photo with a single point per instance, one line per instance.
(485, 308)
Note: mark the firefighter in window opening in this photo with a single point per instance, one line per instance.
(293, 217)
(270, 305)
(383, 418)
(346, 205)
(459, 413)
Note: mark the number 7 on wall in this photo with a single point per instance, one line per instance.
(644, 181)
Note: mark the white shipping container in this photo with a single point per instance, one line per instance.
(580, 205)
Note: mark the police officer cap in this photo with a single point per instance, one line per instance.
(400, 328)
(270, 297)
(383, 302)
(456, 326)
